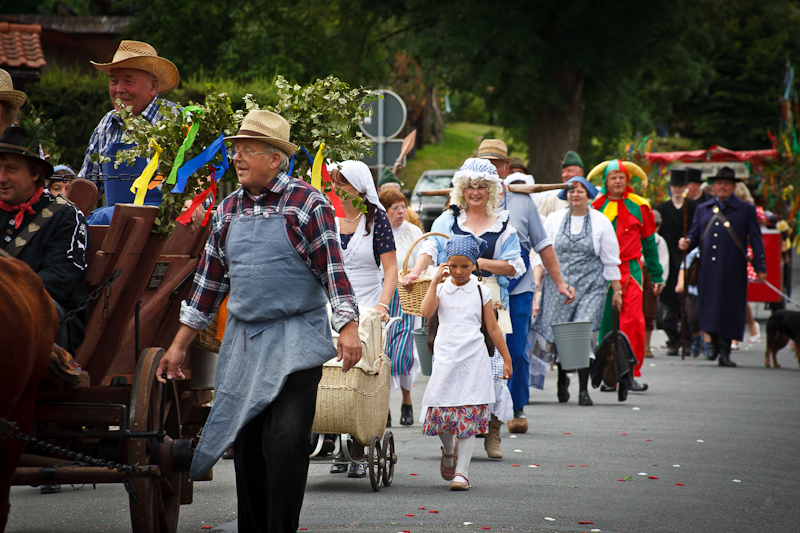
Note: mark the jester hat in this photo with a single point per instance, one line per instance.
(628, 168)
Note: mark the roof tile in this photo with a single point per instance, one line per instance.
(20, 45)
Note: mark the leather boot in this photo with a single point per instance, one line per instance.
(492, 441)
(714, 351)
(725, 353)
(562, 392)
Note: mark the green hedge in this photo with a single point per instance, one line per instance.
(76, 102)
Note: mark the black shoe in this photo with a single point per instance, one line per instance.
(583, 398)
(50, 489)
(357, 470)
(606, 388)
(389, 421)
(725, 360)
(406, 415)
(338, 468)
(519, 413)
(563, 388)
(638, 387)
(672, 351)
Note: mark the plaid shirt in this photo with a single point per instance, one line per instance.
(311, 229)
(108, 132)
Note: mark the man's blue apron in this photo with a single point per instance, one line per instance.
(277, 325)
(118, 185)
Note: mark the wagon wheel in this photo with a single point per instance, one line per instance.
(389, 458)
(156, 510)
(374, 463)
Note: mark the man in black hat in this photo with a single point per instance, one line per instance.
(696, 193)
(722, 228)
(47, 233)
(672, 229)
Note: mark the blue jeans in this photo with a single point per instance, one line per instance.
(521, 309)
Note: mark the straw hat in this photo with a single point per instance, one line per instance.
(268, 127)
(7, 92)
(492, 149)
(142, 56)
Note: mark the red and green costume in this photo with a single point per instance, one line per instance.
(632, 218)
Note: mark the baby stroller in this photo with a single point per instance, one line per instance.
(356, 404)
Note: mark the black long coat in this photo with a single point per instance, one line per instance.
(722, 275)
(672, 231)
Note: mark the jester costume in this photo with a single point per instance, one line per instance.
(634, 225)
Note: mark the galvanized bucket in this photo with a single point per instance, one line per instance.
(574, 344)
(425, 358)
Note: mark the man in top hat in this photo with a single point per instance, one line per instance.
(672, 229)
(634, 224)
(47, 233)
(571, 166)
(696, 193)
(722, 228)
(136, 77)
(272, 233)
(524, 216)
(10, 101)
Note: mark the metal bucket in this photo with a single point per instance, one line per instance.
(425, 358)
(204, 368)
(574, 344)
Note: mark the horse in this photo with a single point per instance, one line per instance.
(28, 328)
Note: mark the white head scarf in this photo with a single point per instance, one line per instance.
(517, 177)
(359, 176)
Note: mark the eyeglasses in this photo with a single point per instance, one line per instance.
(477, 186)
(244, 154)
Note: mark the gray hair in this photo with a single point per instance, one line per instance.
(284, 164)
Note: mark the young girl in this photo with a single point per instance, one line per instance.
(456, 405)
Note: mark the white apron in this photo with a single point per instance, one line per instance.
(360, 267)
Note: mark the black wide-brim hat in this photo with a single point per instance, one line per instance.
(678, 177)
(15, 140)
(725, 173)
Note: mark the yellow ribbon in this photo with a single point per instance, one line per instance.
(316, 169)
(140, 185)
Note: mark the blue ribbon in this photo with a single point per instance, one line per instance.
(196, 163)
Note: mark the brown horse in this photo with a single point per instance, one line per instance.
(28, 327)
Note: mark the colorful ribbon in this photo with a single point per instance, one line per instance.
(187, 143)
(317, 165)
(196, 163)
(316, 169)
(186, 216)
(140, 185)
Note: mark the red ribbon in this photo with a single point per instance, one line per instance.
(22, 209)
(335, 201)
(186, 216)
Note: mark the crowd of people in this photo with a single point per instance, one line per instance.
(512, 265)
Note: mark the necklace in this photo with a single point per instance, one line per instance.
(354, 220)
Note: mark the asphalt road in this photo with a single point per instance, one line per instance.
(706, 449)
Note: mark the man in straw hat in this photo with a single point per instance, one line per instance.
(10, 101)
(722, 228)
(524, 217)
(136, 77)
(634, 224)
(47, 233)
(273, 251)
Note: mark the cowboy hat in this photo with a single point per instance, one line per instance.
(142, 56)
(15, 140)
(492, 149)
(7, 92)
(268, 127)
(725, 173)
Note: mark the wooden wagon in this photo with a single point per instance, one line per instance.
(117, 412)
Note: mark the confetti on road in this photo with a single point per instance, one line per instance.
(422, 508)
(567, 433)
(700, 440)
(518, 451)
(642, 473)
(434, 512)
(514, 465)
(680, 484)
(595, 530)
(211, 527)
(414, 474)
(636, 409)
(409, 515)
(549, 518)
(533, 466)
(486, 527)
(467, 523)
(653, 477)
(652, 364)
(676, 466)
(584, 465)
(625, 434)
(571, 466)
(737, 480)
(513, 436)
(648, 440)
(586, 522)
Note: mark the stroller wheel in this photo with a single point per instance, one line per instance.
(389, 458)
(375, 463)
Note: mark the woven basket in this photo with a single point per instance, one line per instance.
(410, 301)
(354, 402)
(207, 339)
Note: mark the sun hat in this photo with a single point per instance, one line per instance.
(142, 56)
(725, 173)
(492, 149)
(572, 158)
(266, 126)
(591, 190)
(474, 168)
(15, 140)
(7, 92)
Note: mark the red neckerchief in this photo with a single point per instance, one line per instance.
(22, 209)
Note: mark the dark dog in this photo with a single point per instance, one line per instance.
(782, 327)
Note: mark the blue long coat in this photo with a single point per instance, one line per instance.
(722, 278)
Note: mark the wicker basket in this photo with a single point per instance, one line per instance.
(354, 402)
(410, 301)
(207, 339)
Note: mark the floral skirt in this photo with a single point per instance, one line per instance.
(461, 420)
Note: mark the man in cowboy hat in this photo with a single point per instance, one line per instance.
(47, 233)
(722, 228)
(634, 224)
(136, 77)
(10, 101)
(273, 233)
(524, 216)
(571, 166)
